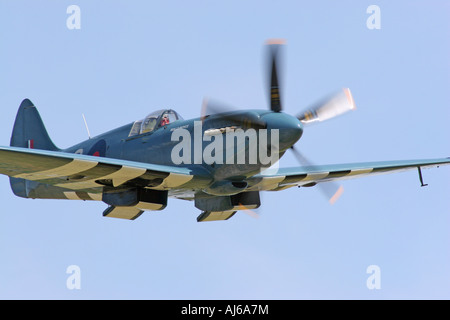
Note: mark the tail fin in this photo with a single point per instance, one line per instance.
(29, 130)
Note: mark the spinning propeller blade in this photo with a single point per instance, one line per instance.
(338, 104)
(274, 74)
(249, 120)
(251, 212)
(331, 190)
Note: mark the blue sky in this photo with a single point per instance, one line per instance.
(133, 57)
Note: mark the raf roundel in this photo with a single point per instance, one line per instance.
(98, 149)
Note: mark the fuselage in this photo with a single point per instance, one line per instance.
(230, 146)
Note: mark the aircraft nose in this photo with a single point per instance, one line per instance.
(290, 129)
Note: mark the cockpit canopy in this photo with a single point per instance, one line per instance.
(153, 121)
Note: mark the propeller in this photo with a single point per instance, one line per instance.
(330, 107)
(326, 109)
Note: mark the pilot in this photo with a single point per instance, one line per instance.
(164, 120)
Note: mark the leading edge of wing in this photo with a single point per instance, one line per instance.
(322, 173)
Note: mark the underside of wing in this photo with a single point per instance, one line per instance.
(59, 175)
(311, 175)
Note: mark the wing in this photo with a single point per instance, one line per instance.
(60, 175)
(310, 175)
